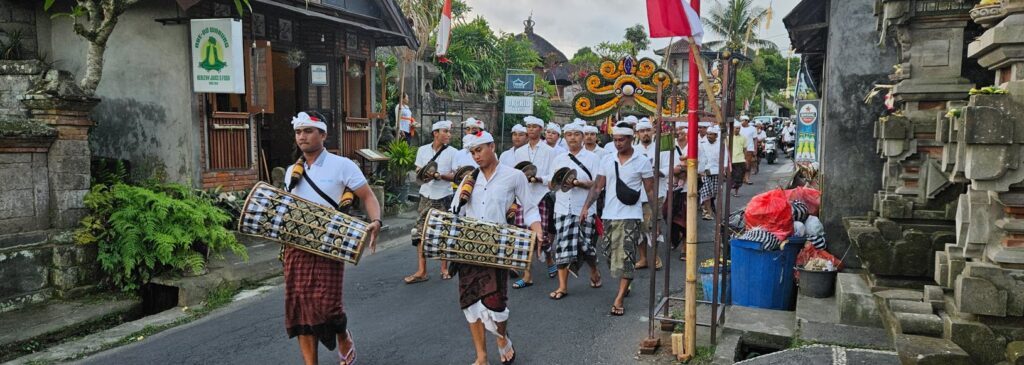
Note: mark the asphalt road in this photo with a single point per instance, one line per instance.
(394, 323)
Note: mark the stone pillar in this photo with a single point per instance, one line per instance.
(55, 103)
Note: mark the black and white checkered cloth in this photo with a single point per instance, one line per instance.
(709, 189)
(817, 241)
(800, 211)
(572, 241)
(767, 240)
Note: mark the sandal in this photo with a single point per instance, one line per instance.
(657, 264)
(552, 271)
(446, 276)
(503, 351)
(618, 311)
(519, 284)
(413, 279)
(595, 284)
(558, 295)
(350, 357)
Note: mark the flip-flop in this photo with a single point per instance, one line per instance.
(596, 284)
(508, 348)
(413, 279)
(446, 276)
(350, 357)
(618, 311)
(558, 295)
(519, 284)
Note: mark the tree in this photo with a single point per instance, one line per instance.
(459, 10)
(769, 68)
(613, 50)
(636, 38)
(479, 57)
(95, 20)
(737, 23)
(584, 61)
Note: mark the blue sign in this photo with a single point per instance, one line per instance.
(522, 83)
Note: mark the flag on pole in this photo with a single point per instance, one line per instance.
(674, 18)
(444, 32)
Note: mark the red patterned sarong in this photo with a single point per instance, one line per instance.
(313, 296)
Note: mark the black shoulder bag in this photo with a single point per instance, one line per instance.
(600, 197)
(623, 192)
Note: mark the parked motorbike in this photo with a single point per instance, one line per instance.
(770, 147)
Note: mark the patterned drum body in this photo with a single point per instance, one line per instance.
(285, 218)
(463, 239)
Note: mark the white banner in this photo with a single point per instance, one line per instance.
(218, 65)
(518, 104)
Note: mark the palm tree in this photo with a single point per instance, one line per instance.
(737, 22)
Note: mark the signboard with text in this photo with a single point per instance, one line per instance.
(518, 104)
(218, 65)
(808, 121)
(519, 83)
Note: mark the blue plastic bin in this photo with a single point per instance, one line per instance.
(763, 279)
(706, 281)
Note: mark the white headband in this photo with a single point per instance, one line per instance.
(574, 127)
(442, 124)
(473, 122)
(554, 127)
(643, 124)
(621, 131)
(479, 139)
(518, 128)
(591, 129)
(681, 125)
(630, 119)
(715, 130)
(304, 120)
(532, 120)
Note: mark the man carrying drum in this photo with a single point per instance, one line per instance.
(573, 241)
(434, 162)
(538, 153)
(313, 284)
(483, 291)
(628, 172)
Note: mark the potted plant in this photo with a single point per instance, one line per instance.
(401, 160)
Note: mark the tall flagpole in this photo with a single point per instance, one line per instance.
(693, 104)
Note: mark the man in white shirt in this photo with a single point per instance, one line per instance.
(483, 291)
(702, 132)
(406, 122)
(553, 137)
(678, 169)
(518, 140)
(574, 235)
(463, 157)
(434, 194)
(788, 134)
(625, 174)
(708, 168)
(759, 142)
(590, 141)
(749, 132)
(540, 154)
(646, 147)
(313, 308)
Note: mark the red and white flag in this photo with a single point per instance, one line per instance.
(674, 18)
(444, 32)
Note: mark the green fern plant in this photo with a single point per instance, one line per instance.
(142, 232)
(401, 160)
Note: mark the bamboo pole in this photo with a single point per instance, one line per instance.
(690, 328)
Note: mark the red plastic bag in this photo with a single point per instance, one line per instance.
(770, 210)
(809, 252)
(810, 197)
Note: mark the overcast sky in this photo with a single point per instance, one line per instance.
(573, 24)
